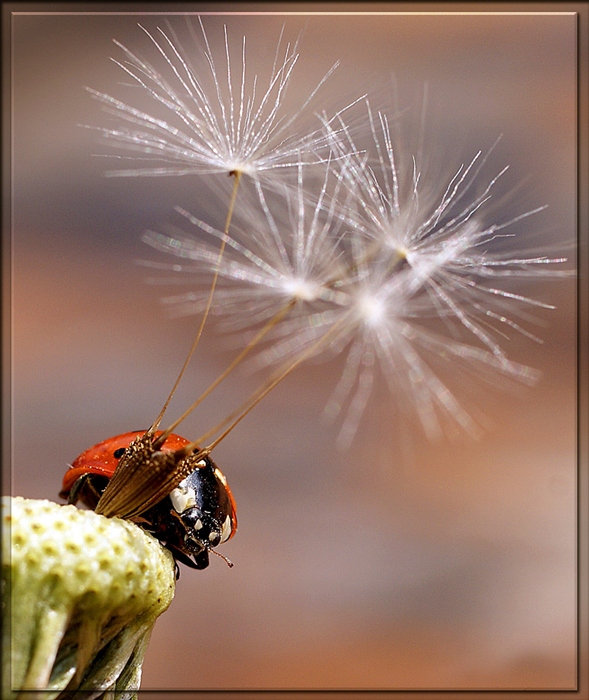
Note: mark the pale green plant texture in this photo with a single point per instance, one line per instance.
(81, 593)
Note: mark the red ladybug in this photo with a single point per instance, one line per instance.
(174, 491)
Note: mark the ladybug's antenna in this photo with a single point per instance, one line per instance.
(229, 563)
(237, 175)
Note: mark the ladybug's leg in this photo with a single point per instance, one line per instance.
(74, 494)
(84, 488)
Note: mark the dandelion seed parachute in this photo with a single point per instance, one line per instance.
(404, 284)
(219, 118)
(403, 277)
(435, 297)
(284, 247)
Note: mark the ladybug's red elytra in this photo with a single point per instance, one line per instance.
(183, 499)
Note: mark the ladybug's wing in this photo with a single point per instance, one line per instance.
(144, 477)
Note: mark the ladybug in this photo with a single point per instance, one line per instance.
(164, 483)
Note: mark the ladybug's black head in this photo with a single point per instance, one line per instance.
(203, 505)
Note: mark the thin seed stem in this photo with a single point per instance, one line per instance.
(258, 337)
(237, 175)
(238, 415)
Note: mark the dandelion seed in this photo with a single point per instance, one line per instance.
(428, 263)
(402, 283)
(220, 119)
(283, 249)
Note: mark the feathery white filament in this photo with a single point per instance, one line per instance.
(401, 275)
(219, 117)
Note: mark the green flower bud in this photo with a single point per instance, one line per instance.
(81, 594)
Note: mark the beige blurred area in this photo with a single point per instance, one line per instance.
(399, 563)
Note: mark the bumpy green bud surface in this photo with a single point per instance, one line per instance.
(80, 596)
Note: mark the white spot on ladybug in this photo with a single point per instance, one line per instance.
(198, 524)
(183, 497)
(213, 536)
(226, 532)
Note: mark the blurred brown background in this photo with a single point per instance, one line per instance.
(396, 564)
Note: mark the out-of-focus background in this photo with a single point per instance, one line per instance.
(398, 563)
